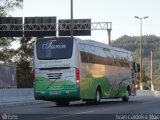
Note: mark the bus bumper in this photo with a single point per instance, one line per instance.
(52, 95)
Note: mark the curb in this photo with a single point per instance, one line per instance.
(146, 93)
(157, 93)
(22, 103)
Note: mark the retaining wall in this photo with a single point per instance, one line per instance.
(16, 95)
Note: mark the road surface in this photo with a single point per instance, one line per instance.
(139, 107)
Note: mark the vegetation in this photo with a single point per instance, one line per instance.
(9, 5)
(21, 58)
(149, 42)
(23, 61)
(6, 6)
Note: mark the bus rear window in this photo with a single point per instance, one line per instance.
(58, 48)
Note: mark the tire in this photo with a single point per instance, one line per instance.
(126, 97)
(62, 103)
(98, 97)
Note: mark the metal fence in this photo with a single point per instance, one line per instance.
(8, 77)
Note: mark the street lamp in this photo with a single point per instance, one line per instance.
(71, 18)
(141, 64)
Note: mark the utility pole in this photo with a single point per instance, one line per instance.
(141, 62)
(109, 29)
(109, 36)
(71, 19)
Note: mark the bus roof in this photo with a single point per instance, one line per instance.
(103, 45)
(95, 43)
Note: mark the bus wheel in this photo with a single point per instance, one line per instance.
(126, 97)
(62, 103)
(98, 96)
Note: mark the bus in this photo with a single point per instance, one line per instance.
(70, 69)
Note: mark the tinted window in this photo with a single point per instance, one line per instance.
(55, 48)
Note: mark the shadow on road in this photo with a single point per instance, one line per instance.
(102, 103)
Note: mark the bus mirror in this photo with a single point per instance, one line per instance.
(136, 67)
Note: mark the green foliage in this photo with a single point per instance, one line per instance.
(6, 53)
(149, 42)
(24, 75)
(24, 63)
(127, 42)
(146, 81)
(157, 83)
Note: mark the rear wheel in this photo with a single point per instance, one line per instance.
(126, 97)
(97, 99)
(62, 103)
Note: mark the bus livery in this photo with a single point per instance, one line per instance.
(69, 69)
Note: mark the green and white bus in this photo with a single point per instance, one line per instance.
(69, 69)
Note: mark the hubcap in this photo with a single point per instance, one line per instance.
(98, 96)
(127, 94)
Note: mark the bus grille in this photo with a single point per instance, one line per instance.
(54, 75)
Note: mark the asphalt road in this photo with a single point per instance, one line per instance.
(137, 108)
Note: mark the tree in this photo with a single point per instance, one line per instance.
(6, 6)
(157, 83)
(150, 42)
(6, 53)
(23, 60)
(9, 5)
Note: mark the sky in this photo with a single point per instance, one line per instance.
(120, 12)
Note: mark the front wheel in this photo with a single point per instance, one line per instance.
(126, 97)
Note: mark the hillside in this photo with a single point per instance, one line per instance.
(150, 42)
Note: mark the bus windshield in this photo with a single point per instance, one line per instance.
(54, 48)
